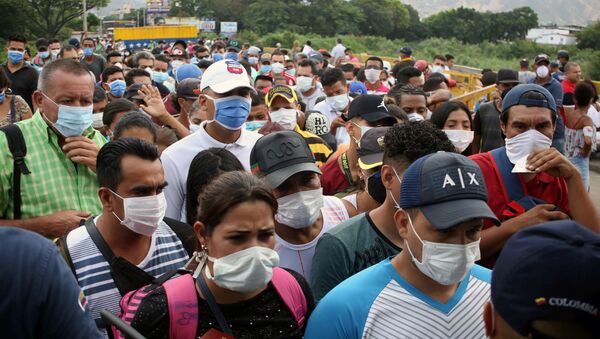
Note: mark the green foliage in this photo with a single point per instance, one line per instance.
(471, 26)
(589, 37)
(92, 20)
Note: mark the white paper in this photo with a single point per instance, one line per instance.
(520, 166)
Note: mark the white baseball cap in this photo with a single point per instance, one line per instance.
(224, 76)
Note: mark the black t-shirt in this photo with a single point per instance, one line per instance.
(486, 123)
(23, 82)
(264, 316)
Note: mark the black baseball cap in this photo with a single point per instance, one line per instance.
(279, 155)
(549, 272)
(448, 188)
(507, 76)
(188, 88)
(42, 43)
(406, 50)
(370, 151)
(370, 107)
(132, 92)
(540, 58)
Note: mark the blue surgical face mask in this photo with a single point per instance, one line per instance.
(117, 88)
(231, 112)
(217, 56)
(291, 71)
(44, 55)
(160, 77)
(255, 125)
(15, 57)
(231, 56)
(265, 68)
(253, 60)
(88, 51)
(2, 96)
(72, 120)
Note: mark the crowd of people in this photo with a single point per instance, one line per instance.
(215, 189)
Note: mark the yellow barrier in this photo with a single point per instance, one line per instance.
(155, 32)
(597, 84)
(471, 98)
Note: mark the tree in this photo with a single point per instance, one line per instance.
(264, 16)
(589, 37)
(47, 18)
(382, 17)
(16, 21)
(416, 29)
(92, 20)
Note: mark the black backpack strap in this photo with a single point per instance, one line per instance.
(64, 251)
(97, 238)
(185, 233)
(18, 149)
(13, 111)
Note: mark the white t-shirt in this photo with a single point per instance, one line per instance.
(310, 101)
(176, 161)
(341, 135)
(338, 51)
(299, 257)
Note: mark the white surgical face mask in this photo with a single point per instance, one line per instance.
(244, 271)
(437, 69)
(520, 146)
(363, 130)
(414, 116)
(277, 68)
(372, 75)
(461, 139)
(285, 117)
(97, 120)
(445, 263)
(338, 102)
(304, 84)
(148, 70)
(194, 128)
(175, 64)
(542, 71)
(143, 214)
(300, 210)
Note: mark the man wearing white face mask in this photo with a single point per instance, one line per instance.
(528, 181)
(277, 68)
(545, 79)
(433, 287)
(286, 163)
(307, 85)
(373, 68)
(283, 106)
(129, 243)
(336, 104)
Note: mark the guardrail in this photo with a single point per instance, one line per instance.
(472, 97)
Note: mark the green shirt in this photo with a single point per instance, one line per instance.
(55, 183)
(347, 249)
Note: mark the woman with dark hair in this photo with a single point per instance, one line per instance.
(580, 133)
(239, 292)
(455, 119)
(113, 112)
(13, 108)
(206, 166)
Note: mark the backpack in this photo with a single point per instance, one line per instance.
(183, 302)
(18, 149)
(514, 191)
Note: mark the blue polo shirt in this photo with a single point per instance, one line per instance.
(555, 88)
(40, 296)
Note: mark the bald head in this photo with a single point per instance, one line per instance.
(65, 66)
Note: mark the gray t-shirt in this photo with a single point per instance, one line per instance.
(346, 250)
(96, 66)
(487, 124)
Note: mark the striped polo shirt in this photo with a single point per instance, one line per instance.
(166, 253)
(378, 303)
(318, 147)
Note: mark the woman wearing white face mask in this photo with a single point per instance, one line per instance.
(237, 289)
(286, 163)
(454, 118)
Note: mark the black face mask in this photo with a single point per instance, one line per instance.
(375, 188)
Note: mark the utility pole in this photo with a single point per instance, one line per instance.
(85, 28)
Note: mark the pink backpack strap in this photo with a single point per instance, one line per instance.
(291, 293)
(183, 307)
(129, 306)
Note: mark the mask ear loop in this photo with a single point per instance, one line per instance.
(197, 261)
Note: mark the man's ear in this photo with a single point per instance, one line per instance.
(401, 221)
(106, 199)
(388, 177)
(37, 98)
